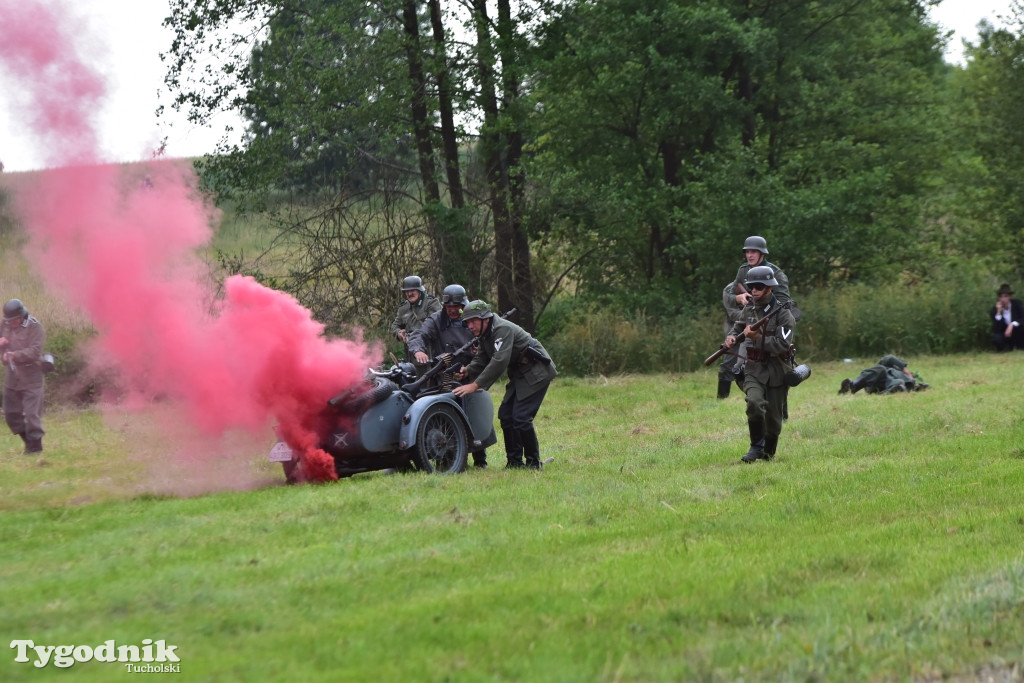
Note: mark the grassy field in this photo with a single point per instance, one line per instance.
(884, 543)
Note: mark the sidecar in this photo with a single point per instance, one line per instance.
(391, 420)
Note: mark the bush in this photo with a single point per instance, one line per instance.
(70, 383)
(948, 313)
(593, 340)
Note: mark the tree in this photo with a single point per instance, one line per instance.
(672, 130)
(330, 86)
(983, 209)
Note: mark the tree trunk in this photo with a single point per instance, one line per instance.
(421, 125)
(444, 95)
(522, 275)
(490, 151)
(462, 265)
(501, 157)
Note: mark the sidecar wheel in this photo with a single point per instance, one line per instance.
(442, 445)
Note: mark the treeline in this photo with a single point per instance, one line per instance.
(598, 164)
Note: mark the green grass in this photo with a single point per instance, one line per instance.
(884, 543)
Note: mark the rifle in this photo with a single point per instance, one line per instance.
(756, 325)
(443, 362)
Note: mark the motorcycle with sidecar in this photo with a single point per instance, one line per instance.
(394, 420)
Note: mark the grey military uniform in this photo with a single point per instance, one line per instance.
(23, 381)
(502, 349)
(887, 376)
(730, 367)
(765, 369)
(505, 347)
(781, 290)
(440, 334)
(410, 317)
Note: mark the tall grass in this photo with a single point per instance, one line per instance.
(946, 315)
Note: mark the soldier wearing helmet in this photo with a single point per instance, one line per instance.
(445, 332)
(730, 368)
(506, 347)
(766, 350)
(413, 311)
(755, 252)
(21, 341)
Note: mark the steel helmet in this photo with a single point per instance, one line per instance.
(412, 282)
(454, 295)
(763, 275)
(476, 309)
(14, 309)
(755, 242)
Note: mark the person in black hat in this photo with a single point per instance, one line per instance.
(1006, 317)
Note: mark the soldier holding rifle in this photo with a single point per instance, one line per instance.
(444, 332)
(766, 330)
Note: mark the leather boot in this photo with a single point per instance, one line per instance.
(531, 448)
(480, 459)
(849, 385)
(724, 386)
(513, 448)
(33, 446)
(756, 451)
(771, 442)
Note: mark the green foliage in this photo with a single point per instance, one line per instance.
(947, 313)
(70, 383)
(979, 207)
(671, 131)
(944, 313)
(883, 543)
(594, 340)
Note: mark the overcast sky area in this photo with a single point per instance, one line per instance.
(127, 38)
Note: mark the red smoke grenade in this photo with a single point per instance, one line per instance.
(124, 249)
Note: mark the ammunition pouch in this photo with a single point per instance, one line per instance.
(756, 355)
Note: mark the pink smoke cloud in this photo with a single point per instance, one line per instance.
(124, 249)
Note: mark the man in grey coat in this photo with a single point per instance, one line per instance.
(413, 311)
(445, 332)
(506, 347)
(21, 341)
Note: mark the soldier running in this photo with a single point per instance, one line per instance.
(764, 369)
